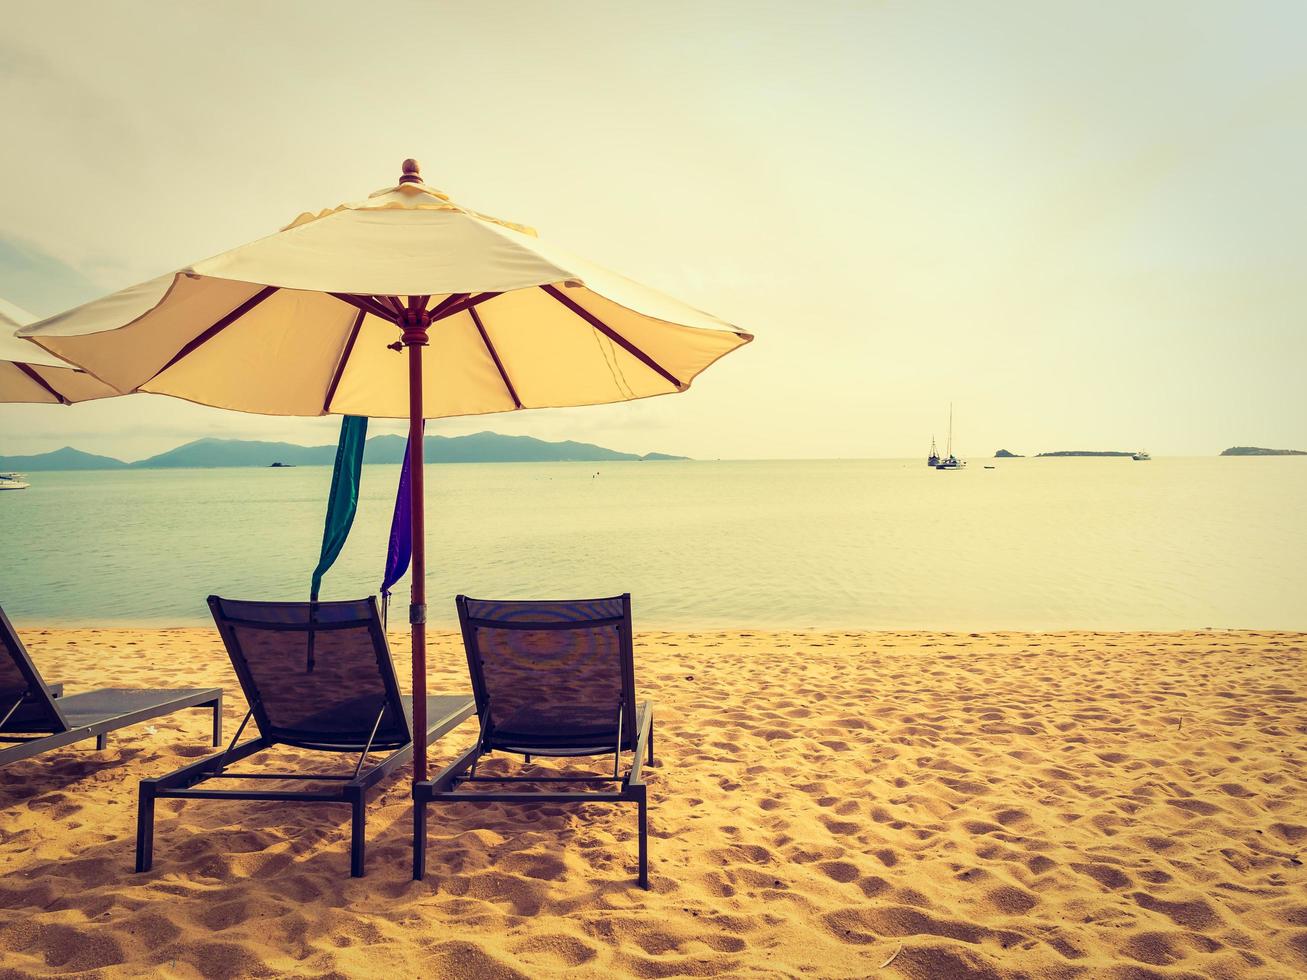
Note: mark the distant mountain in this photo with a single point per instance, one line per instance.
(389, 449)
(67, 458)
(206, 453)
(1258, 451)
(483, 447)
(1004, 454)
(490, 447)
(1080, 452)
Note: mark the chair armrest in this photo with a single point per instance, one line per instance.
(641, 744)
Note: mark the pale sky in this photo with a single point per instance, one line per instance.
(1083, 223)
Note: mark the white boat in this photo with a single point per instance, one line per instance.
(1140, 456)
(950, 462)
(10, 481)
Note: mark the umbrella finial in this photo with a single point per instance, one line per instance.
(412, 172)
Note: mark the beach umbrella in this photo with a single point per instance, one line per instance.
(30, 374)
(333, 314)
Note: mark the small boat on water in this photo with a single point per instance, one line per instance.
(949, 462)
(11, 481)
(933, 459)
(1141, 456)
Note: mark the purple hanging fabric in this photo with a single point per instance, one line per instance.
(401, 533)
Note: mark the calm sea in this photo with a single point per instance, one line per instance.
(1032, 544)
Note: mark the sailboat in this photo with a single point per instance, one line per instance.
(950, 462)
(933, 459)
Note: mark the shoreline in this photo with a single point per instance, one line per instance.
(1060, 805)
(451, 628)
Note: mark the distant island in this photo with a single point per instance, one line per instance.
(1258, 451)
(1080, 452)
(61, 459)
(1004, 454)
(483, 447)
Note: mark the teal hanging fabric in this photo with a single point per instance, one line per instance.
(344, 499)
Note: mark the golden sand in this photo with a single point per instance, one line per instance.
(1072, 804)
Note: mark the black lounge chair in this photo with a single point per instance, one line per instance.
(316, 676)
(552, 678)
(37, 718)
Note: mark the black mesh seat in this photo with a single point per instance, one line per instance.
(35, 719)
(550, 678)
(316, 676)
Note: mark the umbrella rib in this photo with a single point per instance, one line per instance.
(367, 305)
(611, 334)
(30, 371)
(206, 335)
(344, 358)
(494, 356)
(466, 303)
(441, 309)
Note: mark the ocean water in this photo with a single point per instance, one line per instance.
(1033, 544)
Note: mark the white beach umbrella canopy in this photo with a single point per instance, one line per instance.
(308, 322)
(29, 374)
(303, 322)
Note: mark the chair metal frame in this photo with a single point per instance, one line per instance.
(32, 735)
(444, 713)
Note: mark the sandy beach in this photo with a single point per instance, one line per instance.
(833, 805)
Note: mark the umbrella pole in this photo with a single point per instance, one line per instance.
(415, 338)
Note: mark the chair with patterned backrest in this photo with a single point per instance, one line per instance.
(550, 678)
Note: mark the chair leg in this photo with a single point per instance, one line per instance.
(419, 839)
(358, 835)
(217, 724)
(651, 735)
(644, 843)
(145, 828)
(101, 742)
